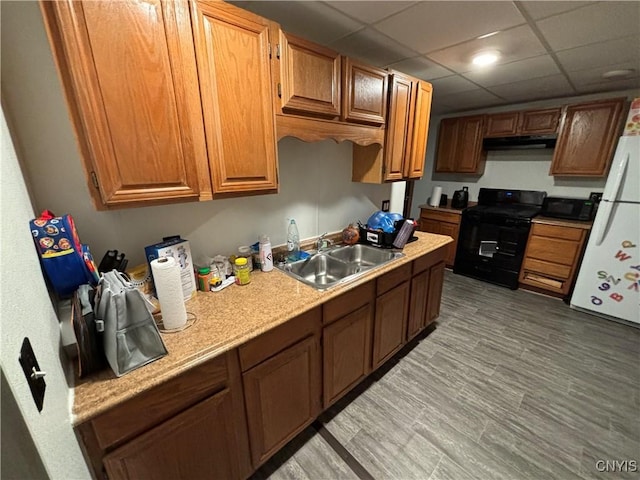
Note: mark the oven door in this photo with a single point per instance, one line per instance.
(491, 248)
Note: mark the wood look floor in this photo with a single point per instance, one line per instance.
(509, 385)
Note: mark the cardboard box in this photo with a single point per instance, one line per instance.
(180, 250)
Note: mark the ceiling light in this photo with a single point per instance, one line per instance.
(485, 58)
(613, 74)
(487, 35)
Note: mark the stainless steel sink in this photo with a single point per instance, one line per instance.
(338, 265)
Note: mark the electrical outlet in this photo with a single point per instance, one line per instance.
(386, 205)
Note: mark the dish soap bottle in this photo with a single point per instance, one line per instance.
(266, 256)
(293, 242)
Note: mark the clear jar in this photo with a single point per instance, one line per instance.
(245, 252)
(243, 274)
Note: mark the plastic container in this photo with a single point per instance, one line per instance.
(204, 277)
(266, 255)
(293, 241)
(243, 275)
(245, 252)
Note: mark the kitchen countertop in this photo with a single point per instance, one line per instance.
(562, 222)
(225, 320)
(448, 208)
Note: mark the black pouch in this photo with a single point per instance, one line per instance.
(91, 356)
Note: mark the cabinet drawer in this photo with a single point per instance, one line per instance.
(348, 302)
(552, 250)
(546, 268)
(544, 282)
(160, 403)
(554, 231)
(279, 338)
(427, 261)
(393, 278)
(440, 216)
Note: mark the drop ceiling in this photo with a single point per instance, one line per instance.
(548, 49)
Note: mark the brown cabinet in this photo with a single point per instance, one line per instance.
(133, 97)
(436, 281)
(529, 122)
(282, 392)
(442, 223)
(234, 70)
(587, 138)
(426, 290)
(403, 155)
(309, 78)
(364, 93)
(390, 323)
(552, 257)
(188, 427)
(460, 145)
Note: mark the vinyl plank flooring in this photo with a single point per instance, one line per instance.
(447, 469)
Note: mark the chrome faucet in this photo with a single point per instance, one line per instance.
(321, 241)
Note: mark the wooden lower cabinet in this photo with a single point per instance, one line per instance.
(418, 304)
(442, 223)
(194, 444)
(390, 322)
(436, 280)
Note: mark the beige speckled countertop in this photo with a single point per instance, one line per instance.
(448, 208)
(563, 223)
(226, 320)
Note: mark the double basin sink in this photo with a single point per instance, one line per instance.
(338, 265)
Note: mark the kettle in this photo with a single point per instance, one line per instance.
(460, 198)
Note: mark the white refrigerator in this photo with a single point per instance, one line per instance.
(608, 283)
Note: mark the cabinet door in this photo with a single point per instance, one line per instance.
(310, 76)
(469, 151)
(447, 145)
(452, 230)
(587, 138)
(538, 122)
(282, 396)
(436, 279)
(430, 226)
(390, 323)
(414, 167)
(133, 96)
(502, 124)
(346, 349)
(364, 93)
(196, 444)
(397, 144)
(418, 304)
(232, 49)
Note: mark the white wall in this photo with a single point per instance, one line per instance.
(26, 311)
(515, 169)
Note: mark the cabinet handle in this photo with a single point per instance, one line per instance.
(94, 179)
(278, 51)
(279, 90)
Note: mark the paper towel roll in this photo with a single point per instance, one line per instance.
(435, 197)
(166, 277)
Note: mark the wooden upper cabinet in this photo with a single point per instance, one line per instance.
(530, 122)
(133, 97)
(232, 51)
(587, 138)
(397, 144)
(364, 93)
(460, 145)
(414, 167)
(309, 78)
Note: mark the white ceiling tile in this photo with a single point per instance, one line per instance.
(430, 26)
(596, 23)
(373, 47)
(541, 66)
(314, 21)
(370, 12)
(599, 54)
(593, 76)
(422, 68)
(611, 86)
(468, 100)
(536, 88)
(514, 44)
(543, 9)
(453, 84)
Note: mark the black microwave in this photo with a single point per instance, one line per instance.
(568, 208)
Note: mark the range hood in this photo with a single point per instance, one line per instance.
(520, 142)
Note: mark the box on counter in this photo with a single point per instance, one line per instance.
(180, 250)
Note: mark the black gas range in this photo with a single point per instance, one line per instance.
(493, 235)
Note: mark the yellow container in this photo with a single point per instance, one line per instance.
(243, 275)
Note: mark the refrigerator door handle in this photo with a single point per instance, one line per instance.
(604, 213)
(622, 169)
